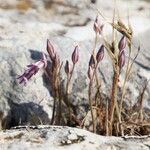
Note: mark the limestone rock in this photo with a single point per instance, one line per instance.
(66, 138)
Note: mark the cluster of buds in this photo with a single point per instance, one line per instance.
(121, 57)
(98, 26)
(93, 63)
(32, 69)
(75, 58)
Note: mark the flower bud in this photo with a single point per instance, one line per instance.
(92, 61)
(90, 72)
(122, 43)
(121, 59)
(50, 50)
(68, 68)
(100, 54)
(75, 55)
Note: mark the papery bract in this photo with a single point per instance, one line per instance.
(92, 61)
(90, 72)
(100, 54)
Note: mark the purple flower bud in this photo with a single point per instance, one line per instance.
(100, 54)
(90, 72)
(122, 43)
(92, 61)
(50, 50)
(68, 68)
(121, 59)
(75, 55)
(98, 27)
(32, 69)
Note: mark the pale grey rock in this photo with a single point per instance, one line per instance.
(56, 138)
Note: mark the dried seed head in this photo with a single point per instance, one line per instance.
(75, 55)
(98, 27)
(92, 61)
(50, 50)
(122, 43)
(90, 72)
(68, 68)
(121, 59)
(100, 54)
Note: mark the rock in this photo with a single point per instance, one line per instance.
(56, 137)
(23, 36)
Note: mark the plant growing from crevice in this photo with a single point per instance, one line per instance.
(108, 116)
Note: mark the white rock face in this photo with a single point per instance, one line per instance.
(66, 138)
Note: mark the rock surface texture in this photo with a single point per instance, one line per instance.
(66, 138)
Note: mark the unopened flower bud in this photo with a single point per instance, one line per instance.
(75, 55)
(92, 61)
(68, 68)
(50, 50)
(121, 60)
(90, 72)
(100, 54)
(122, 43)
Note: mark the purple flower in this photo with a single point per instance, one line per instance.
(32, 69)
(75, 55)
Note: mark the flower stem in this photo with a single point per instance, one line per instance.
(90, 103)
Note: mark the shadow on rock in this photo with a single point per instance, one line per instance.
(25, 114)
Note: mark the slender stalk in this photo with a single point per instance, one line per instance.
(67, 92)
(59, 96)
(142, 101)
(113, 97)
(53, 112)
(55, 88)
(94, 48)
(126, 78)
(91, 108)
(106, 119)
